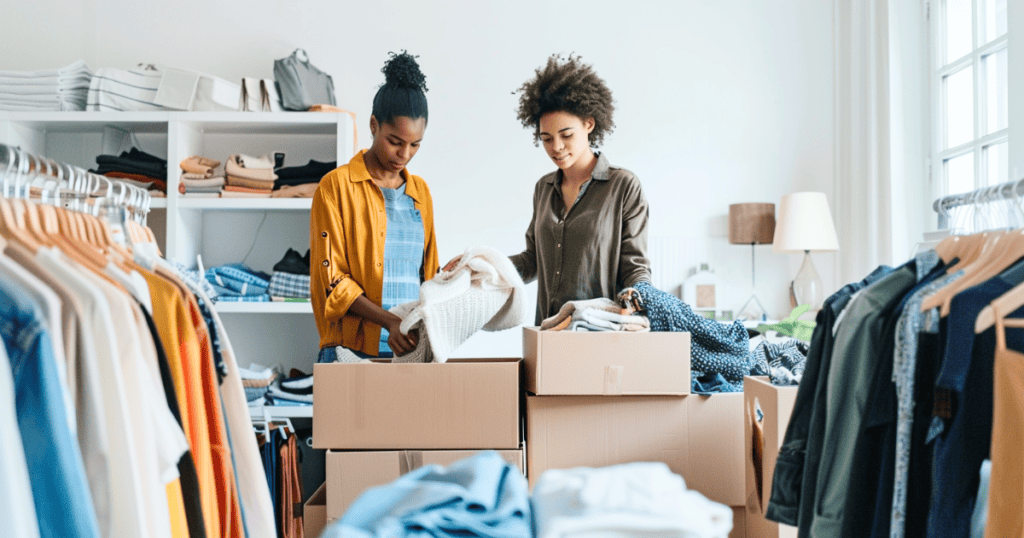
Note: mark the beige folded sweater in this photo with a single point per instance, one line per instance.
(236, 167)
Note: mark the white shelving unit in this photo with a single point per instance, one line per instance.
(265, 308)
(254, 231)
(282, 411)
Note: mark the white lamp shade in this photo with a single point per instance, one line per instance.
(804, 223)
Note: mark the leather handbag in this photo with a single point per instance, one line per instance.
(259, 95)
(301, 84)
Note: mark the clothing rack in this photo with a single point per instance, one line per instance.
(64, 183)
(1011, 190)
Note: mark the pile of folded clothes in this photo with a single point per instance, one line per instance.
(600, 314)
(296, 389)
(291, 277)
(301, 181)
(257, 380)
(66, 88)
(201, 177)
(237, 283)
(135, 167)
(249, 177)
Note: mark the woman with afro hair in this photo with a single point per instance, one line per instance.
(372, 228)
(588, 235)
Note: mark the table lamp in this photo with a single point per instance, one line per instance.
(805, 223)
(752, 224)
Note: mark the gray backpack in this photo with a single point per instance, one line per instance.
(302, 85)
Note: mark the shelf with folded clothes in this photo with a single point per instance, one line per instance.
(240, 289)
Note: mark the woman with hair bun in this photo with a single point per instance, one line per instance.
(372, 228)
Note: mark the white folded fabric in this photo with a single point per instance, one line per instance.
(484, 291)
(265, 162)
(255, 371)
(629, 500)
(70, 70)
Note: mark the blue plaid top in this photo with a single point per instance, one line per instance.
(403, 253)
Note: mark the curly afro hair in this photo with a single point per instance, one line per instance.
(404, 90)
(567, 85)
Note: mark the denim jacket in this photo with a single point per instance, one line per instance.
(62, 499)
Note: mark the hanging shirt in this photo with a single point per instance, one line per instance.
(86, 388)
(797, 465)
(853, 361)
(127, 508)
(182, 346)
(254, 494)
(595, 248)
(403, 253)
(962, 437)
(19, 510)
(60, 493)
(908, 329)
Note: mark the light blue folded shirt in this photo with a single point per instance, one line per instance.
(479, 496)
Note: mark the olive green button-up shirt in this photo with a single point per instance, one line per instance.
(595, 249)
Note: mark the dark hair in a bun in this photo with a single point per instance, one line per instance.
(404, 90)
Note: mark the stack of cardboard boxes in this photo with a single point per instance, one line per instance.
(380, 421)
(591, 400)
(597, 399)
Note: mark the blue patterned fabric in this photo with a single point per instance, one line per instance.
(783, 362)
(714, 347)
(239, 282)
(911, 323)
(288, 285)
(403, 253)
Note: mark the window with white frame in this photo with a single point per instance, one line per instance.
(970, 93)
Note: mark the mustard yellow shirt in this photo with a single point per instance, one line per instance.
(347, 227)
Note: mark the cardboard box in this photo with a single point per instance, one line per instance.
(349, 474)
(762, 440)
(461, 404)
(606, 363)
(716, 447)
(314, 513)
(564, 432)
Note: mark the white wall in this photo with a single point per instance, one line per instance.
(717, 102)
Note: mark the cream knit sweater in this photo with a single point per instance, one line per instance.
(484, 291)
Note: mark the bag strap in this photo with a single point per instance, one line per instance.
(264, 96)
(303, 51)
(245, 96)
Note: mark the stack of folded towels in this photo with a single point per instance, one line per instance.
(248, 176)
(135, 167)
(256, 380)
(201, 177)
(52, 89)
(291, 276)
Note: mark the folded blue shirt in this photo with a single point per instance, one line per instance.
(237, 280)
(480, 496)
